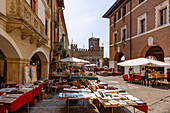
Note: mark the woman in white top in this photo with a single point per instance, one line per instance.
(143, 76)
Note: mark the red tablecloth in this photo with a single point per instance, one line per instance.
(20, 101)
(125, 77)
(143, 108)
(37, 90)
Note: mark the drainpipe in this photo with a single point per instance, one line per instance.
(52, 33)
(130, 29)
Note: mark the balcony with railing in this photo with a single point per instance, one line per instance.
(21, 16)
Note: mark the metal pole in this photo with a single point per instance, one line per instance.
(130, 29)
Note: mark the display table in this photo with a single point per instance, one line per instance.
(143, 107)
(75, 96)
(19, 101)
(81, 77)
(117, 98)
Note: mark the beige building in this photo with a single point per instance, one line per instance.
(60, 36)
(24, 38)
(94, 54)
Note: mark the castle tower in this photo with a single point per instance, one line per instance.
(94, 44)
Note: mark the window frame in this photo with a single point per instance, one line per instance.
(119, 14)
(143, 25)
(124, 11)
(163, 16)
(33, 5)
(46, 27)
(122, 33)
(140, 1)
(115, 32)
(139, 25)
(115, 18)
(158, 9)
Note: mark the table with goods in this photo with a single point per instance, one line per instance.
(13, 98)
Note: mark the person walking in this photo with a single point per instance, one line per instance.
(168, 76)
(143, 76)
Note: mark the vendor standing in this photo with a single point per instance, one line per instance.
(131, 74)
(168, 76)
(143, 76)
(147, 77)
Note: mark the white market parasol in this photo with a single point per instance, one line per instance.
(143, 62)
(72, 60)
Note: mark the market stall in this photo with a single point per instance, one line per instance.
(154, 76)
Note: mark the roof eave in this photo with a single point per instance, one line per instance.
(111, 9)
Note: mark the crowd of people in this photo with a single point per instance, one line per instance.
(145, 76)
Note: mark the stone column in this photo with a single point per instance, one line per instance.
(2, 68)
(101, 62)
(15, 70)
(113, 64)
(45, 70)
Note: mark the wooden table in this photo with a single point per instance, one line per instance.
(143, 107)
(70, 99)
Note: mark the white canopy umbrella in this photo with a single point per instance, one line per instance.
(143, 62)
(87, 65)
(90, 65)
(93, 65)
(72, 60)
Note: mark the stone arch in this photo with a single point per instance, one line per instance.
(41, 53)
(118, 56)
(39, 57)
(158, 50)
(8, 46)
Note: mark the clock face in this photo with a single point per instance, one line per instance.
(91, 46)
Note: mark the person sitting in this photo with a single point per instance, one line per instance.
(143, 76)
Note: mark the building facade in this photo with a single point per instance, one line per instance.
(94, 54)
(24, 38)
(139, 28)
(60, 45)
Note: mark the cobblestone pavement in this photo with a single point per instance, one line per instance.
(158, 99)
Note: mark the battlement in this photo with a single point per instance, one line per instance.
(93, 38)
(73, 45)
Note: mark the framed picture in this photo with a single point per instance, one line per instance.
(30, 72)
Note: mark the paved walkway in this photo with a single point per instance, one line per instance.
(158, 99)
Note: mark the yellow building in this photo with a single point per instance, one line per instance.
(24, 38)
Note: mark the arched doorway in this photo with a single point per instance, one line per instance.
(39, 58)
(3, 68)
(155, 53)
(120, 57)
(35, 60)
(10, 56)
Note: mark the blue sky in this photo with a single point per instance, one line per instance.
(83, 17)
